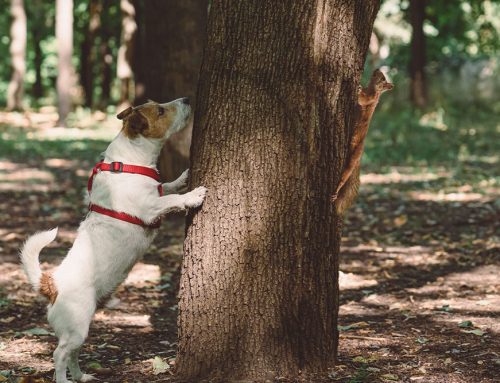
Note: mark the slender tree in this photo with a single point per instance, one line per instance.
(88, 51)
(105, 54)
(18, 34)
(418, 85)
(65, 75)
(125, 53)
(275, 113)
(37, 29)
(169, 63)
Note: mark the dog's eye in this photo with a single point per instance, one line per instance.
(161, 111)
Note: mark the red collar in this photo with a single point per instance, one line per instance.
(119, 167)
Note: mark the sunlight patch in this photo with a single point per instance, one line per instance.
(396, 177)
(123, 320)
(142, 273)
(451, 197)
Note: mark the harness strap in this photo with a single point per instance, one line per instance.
(119, 167)
(124, 217)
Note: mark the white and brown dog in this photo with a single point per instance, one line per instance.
(126, 203)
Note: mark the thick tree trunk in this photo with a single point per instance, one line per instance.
(125, 53)
(18, 35)
(87, 59)
(418, 85)
(276, 104)
(174, 35)
(64, 37)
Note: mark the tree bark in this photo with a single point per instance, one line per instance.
(87, 59)
(275, 111)
(125, 52)
(18, 35)
(65, 77)
(174, 35)
(418, 84)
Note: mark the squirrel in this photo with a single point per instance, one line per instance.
(368, 97)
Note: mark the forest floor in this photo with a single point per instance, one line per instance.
(420, 262)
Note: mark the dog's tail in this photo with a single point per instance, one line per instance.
(41, 282)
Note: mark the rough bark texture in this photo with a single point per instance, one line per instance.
(126, 51)
(275, 110)
(174, 35)
(64, 36)
(18, 35)
(418, 86)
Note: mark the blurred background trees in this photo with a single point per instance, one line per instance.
(443, 56)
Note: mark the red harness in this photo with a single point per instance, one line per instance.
(119, 167)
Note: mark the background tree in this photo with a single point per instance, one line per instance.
(275, 108)
(125, 53)
(37, 30)
(88, 51)
(64, 37)
(18, 34)
(169, 64)
(418, 85)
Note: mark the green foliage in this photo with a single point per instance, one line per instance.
(456, 31)
(453, 131)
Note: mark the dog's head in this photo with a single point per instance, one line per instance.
(154, 120)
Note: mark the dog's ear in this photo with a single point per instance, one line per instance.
(135, 124)
(124, 113)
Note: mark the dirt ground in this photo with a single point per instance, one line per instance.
(420, 287)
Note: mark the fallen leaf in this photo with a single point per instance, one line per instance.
(465, 324)
(401, 220)
(36, 331)
(159, 365)
(389, 377)
(422, 340)
(475, 332)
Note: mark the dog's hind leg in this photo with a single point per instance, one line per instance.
(74, 368)
(71, 324)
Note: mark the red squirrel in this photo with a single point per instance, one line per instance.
(368, 97)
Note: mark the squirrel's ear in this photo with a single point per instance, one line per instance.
(123, 114)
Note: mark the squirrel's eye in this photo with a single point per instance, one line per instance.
(161, 111)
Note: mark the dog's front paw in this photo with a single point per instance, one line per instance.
(195, 197)
(183, 178)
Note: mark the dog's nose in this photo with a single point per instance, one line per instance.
(185, 100)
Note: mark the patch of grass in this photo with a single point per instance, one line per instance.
(21, 145)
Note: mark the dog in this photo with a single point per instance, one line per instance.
(126, 203)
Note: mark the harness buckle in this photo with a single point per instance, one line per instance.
(116, 167)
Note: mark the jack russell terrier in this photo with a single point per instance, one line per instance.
(126, 204)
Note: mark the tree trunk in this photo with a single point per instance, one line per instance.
(37, 15)
(174, 35)
(125, 53)
(275, 110)
(18, 35)
(64, 37)
(418, 85)
(106, 56)
(139, 66)
(87, 59)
